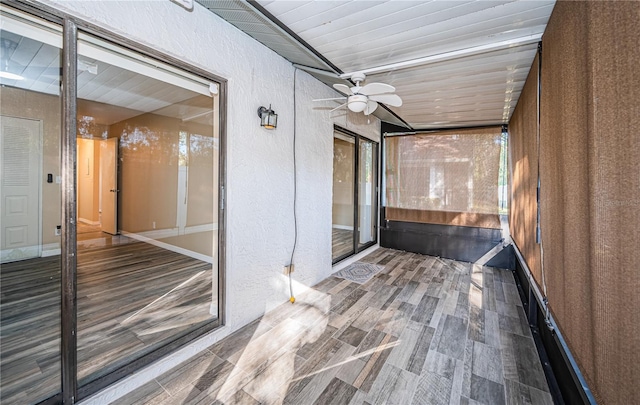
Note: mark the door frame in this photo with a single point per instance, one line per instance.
(356, 248)
(71, 392)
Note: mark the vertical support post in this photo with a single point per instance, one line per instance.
(376, 191)
(222, 208)
(68, 242)
(538, 115)
(356, 201)
(381, 182)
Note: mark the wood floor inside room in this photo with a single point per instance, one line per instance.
(131, 297)
(424, 330)
(341, 242)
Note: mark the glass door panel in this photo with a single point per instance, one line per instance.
(343, 196)
(367, 195)
(148, 153)
(30, 208)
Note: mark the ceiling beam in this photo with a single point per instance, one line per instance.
(460, 53)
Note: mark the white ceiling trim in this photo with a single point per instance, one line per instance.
(446, 56)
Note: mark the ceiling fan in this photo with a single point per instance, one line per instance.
(365, 98)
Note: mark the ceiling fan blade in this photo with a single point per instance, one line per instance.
(371, 107)
(389, 99)
(343, 88)
(329, 99)
(340, 106)
(377, 88)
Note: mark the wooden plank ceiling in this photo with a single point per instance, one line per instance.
(463, 63)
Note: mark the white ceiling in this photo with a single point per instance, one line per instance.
(453, 63)
(484, 50)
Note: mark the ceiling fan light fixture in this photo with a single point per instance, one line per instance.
(357, 103)
(365, 98)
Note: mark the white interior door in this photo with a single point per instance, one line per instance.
(109, 185)
(21, 234)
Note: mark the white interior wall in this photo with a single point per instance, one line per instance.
(259, 162)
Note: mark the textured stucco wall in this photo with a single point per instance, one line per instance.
(259, 162)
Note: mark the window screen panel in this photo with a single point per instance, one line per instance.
(453, 172)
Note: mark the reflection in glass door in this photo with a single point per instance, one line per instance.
(143, 277)
(343, 196)
(147, 264)
(354, 197)
(30, 205)
(367, 192)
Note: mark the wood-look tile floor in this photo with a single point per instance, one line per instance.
(341, 242)
(131, 297)
(424, 330)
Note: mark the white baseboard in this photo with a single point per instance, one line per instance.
(21, 253)
(346, 228)
(51, 249)
(154, 234)
(169, 232)
(29, 252)
(142, 237)
(200, 228)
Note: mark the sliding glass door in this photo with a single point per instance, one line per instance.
(367, 192)
(147, 238)
(344, 207)
(30, 203)
(110, 205)
(355, 168)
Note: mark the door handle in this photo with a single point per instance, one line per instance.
(114, 191)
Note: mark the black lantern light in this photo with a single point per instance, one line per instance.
(268, 118)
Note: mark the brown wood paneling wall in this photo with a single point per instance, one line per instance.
(443, 217)
(590, 188)
(614, 204)
(523, 132)
(564, 178)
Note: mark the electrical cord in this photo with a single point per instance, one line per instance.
(295, 189)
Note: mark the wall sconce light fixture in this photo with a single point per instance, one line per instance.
(268, 118)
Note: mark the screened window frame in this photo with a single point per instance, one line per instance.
(384, 221)
(71, 25)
